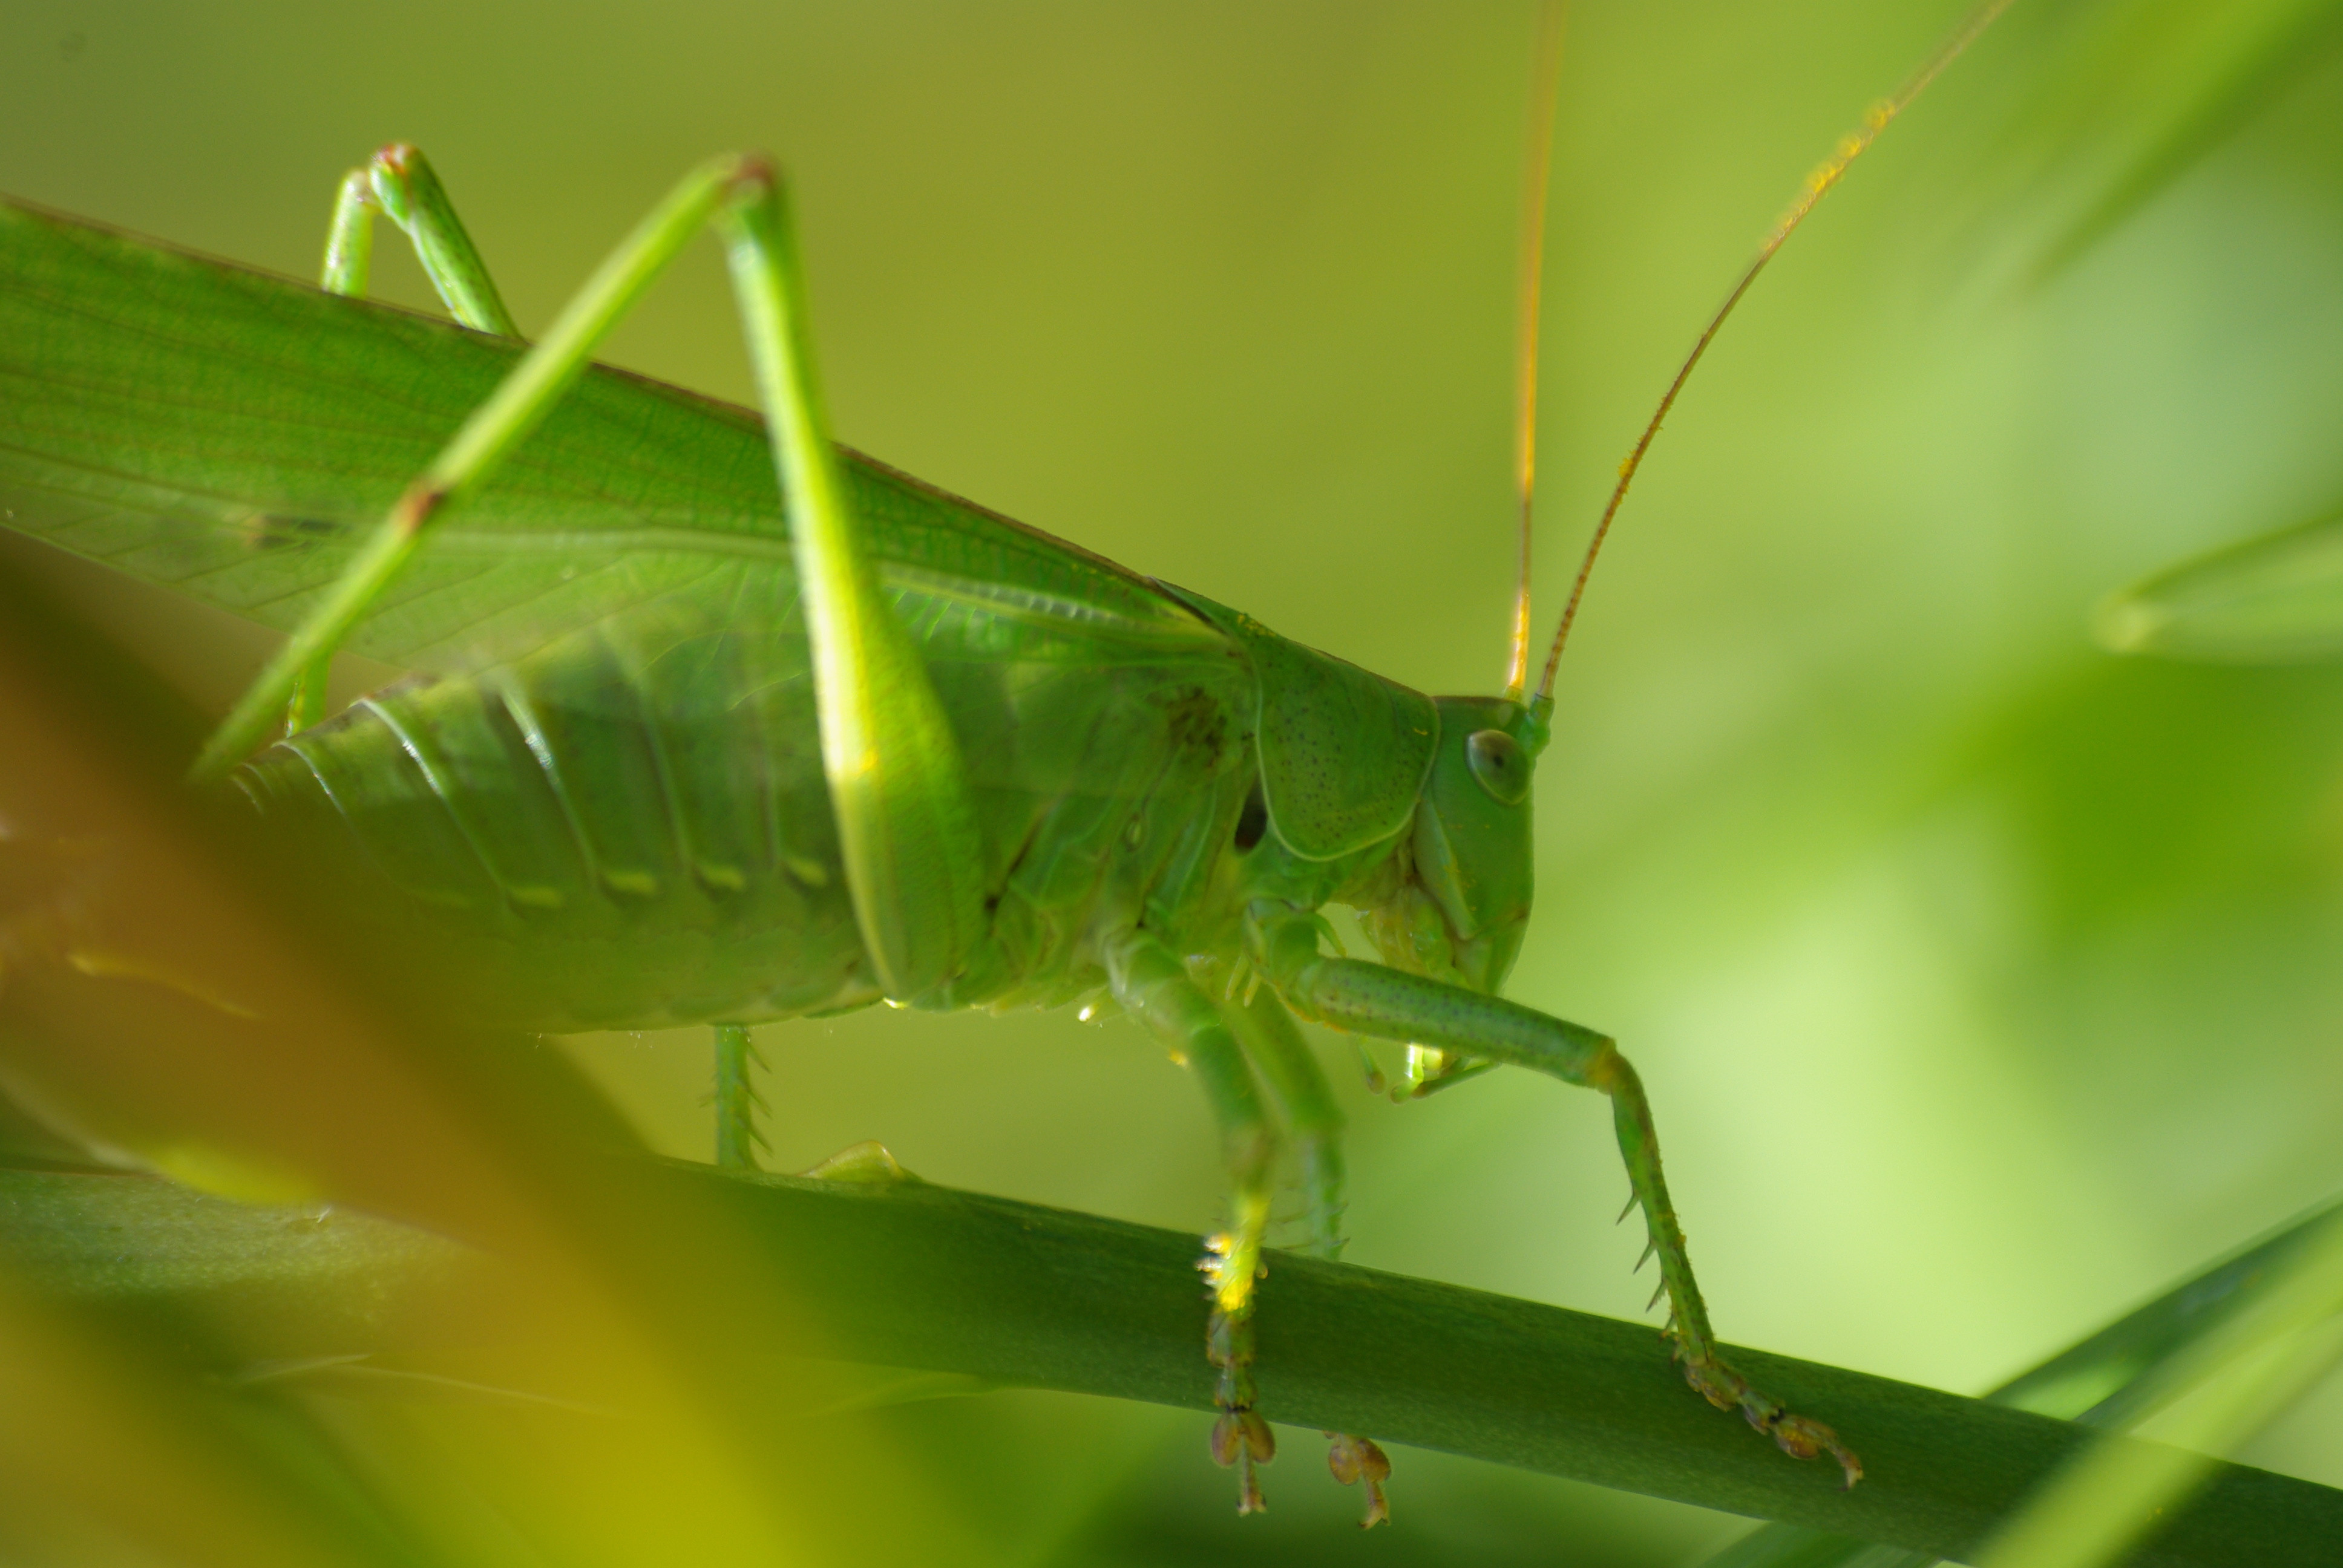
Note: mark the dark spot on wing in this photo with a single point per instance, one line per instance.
(1198, 727)
(277, 531)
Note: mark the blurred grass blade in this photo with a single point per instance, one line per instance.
(2232, 62)
(922, 1277)
(2125, 1374)
(163, 997)
(102, 1462)
(2114, 104)
(2110, 1380)
(2275, 599)
(2290, 1334)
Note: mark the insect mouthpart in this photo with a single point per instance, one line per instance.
(1411, 931)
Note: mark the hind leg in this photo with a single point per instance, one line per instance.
(399, 182)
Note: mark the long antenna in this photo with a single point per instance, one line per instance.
(1818, 184)
(1538, 157)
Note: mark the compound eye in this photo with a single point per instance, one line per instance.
(1501, 765)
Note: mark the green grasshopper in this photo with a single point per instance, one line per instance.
(715, 722)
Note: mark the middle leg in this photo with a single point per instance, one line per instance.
(1277, 1048)
(737, 1100)
(1154, 987)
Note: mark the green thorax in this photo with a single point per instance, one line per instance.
(1343, 752)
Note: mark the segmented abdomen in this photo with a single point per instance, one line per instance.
(630, 829)
(565, 855)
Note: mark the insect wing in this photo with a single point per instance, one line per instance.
(235, 436)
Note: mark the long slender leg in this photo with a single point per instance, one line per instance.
(492, 431)
(1313, 1122)
(905, 817)
(1278, 1050)
(907, 821)
(400, 183)
(1153, 986)
(736, 1101)
(348, 268)
(1368, 999)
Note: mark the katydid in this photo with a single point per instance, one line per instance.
(715, 722)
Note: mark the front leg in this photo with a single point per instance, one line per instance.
(1371, 1000)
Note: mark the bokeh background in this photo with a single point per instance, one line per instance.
(1983, 981)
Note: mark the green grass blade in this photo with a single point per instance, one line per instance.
(2116, 1491)
(216, 1410)
(1044, 1298)
(2225, 66)
(2109, 1379)
(2274, 598)
(2107, 109)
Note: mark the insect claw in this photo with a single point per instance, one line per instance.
(1242, 1434)
(1224, 1443)
(1357, 1460)
(1795, 1435)
(1249, 1498)
(1649, 1248)
(1632, 1198)
(1658, 1292)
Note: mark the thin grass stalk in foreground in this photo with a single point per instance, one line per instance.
(2117, 1492)
(2110, 1380)
(910, 1275)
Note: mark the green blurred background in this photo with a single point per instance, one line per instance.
(1983, 981)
